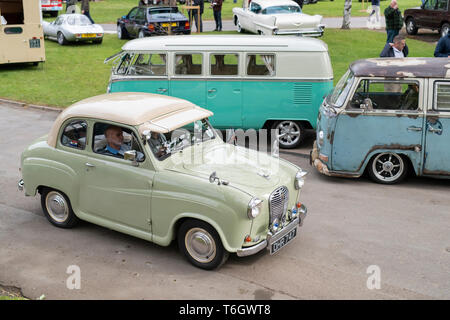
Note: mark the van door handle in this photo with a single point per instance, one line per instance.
(412, 128)
(435, 130)
(161, 90)
(90, 165)
(212, 90)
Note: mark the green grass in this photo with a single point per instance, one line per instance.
(75, 72)
(108, 11)
(11, 298)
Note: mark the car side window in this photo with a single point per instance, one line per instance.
(441, 96)
(133, 13)
(255, 8)
(224, 64)
(261, 64)
(114, 141)
(74, 135)
(442, 5)
(188, 64)
(140, 15)
(386, 95)
(430, 5)
(149, 65)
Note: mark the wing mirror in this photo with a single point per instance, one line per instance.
(131, 155)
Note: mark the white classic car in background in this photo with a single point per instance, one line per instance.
(73, 28)
(270, 17)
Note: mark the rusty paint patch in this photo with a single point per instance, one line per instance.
(437, 172)
(354, 115)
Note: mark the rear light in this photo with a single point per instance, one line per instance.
(186, 25)
(78, 35)
(99, 34)
(151, 27)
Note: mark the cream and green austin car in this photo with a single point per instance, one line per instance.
(152, 166)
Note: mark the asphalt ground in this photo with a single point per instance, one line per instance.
(353, 227)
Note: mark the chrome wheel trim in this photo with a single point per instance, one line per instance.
(57, 206)
(410, 26)
(60, 38)
(388, 166)
(119, 32)
(200, 245)
(289, 133)
(141, 34)
(238, 25)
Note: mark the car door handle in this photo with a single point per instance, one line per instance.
(90, 165)
(434, 130)
(412, 128)
(212, 90)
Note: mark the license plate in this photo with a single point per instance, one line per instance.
(174, 24)
(88, 35)
(35, 43)
(280, 243)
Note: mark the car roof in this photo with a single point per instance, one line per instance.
(270, 3)
(226, 43)
(155, 112)
(402, 67)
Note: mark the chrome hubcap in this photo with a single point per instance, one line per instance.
(200, 245)
(119, 32)
(57, 206)
(388, 166)
(289, 132)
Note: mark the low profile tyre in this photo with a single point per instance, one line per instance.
(57, 208)
(121, 32)
(444, 29)
(291, 133)
(388, 168)
(201, 244)
(61, 39)
(411, 27)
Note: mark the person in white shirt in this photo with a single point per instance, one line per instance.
(396, 49)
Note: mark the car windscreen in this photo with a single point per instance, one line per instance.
(281, 9)
(80, 20)
(340, 92)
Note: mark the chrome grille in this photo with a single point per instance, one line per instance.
(278, 203)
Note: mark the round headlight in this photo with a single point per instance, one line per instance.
(299, 181)
(320, 136)
(254, 208)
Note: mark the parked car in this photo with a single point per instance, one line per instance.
(386, 117)
(432, 14)
(73, 28)
(173, 178)
(276, 17)
(142, 22)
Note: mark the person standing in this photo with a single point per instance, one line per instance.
(394, 20)
(443, 47)
(217, 10)
(198, 24)
(85, 9)
(397, 49)
(375, 12)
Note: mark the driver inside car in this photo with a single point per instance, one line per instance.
(115, 145)
(410, 98)
(158, 144)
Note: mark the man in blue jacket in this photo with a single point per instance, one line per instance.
(443, 47)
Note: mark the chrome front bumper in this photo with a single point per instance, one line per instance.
(271, 238)
(20, 185)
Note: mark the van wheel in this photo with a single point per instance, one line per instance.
(291, 133)
(201, 244)
(61, 39)
(57, 208)
(444, 29)
(387, 168)
(411, 27)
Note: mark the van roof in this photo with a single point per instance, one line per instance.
(402, 67)
(158, 113)
(226, 43)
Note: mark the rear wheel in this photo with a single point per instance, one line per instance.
(121, 32)
(291, 133)
(201, 244)
(57, 208)
(238, 25)
(411, 27)
(387, 168)
(61, 39)
(141, 34)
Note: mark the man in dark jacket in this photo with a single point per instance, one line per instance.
(217, 10)
(394, 20)
(198, 24)
(443, 47)
(397, 49)
(85, 9)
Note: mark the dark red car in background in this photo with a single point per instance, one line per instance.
(433, 14)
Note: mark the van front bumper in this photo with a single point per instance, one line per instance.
(316, 162)
(271, 238)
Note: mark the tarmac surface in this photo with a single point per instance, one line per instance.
(353, 227)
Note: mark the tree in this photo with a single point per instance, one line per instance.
(347, 14)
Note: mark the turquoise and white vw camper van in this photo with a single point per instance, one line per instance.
(247, 81)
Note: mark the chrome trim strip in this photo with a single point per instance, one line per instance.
(248, 251)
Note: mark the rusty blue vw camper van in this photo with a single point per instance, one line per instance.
(387, 117)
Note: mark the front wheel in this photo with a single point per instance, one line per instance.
(61, 39)
(57, 208)
(201, 244)
(238, 25)
(290, 133)
(411, 27)
(141, 34)
(387, 168)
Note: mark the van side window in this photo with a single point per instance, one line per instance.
(442, 96)
(12, 11)
(188, 64)
(123, 64)
(386, 95)
(74, 135)
(224, 64)
(261, 64)
(148, 65)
